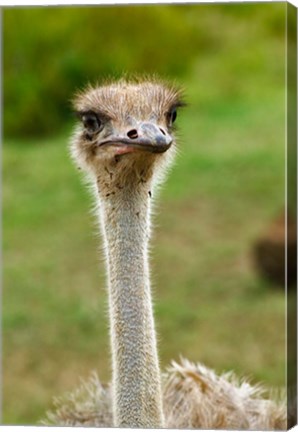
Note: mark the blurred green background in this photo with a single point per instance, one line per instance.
(227, 185)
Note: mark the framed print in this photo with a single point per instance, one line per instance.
(149, 216)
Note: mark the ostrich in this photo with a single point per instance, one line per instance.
(125, 142)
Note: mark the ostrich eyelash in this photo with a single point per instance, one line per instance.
(103, 117)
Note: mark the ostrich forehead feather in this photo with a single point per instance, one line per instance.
(137, 97)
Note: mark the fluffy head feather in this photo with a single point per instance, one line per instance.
(121, 111)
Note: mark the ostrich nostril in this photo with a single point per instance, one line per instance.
(162, 131)
(132, 134)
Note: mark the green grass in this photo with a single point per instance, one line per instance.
(210, 304)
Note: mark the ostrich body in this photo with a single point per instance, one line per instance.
(125, 142)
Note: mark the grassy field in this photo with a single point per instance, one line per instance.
(210, 305)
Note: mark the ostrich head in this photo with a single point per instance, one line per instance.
(126, 128)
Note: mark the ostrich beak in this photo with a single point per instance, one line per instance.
(147, 137)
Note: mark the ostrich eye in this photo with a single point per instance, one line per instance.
(171, 116)
(91, 122)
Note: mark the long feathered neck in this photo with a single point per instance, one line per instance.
(125, 221)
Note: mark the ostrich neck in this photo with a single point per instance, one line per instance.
(125, 218)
